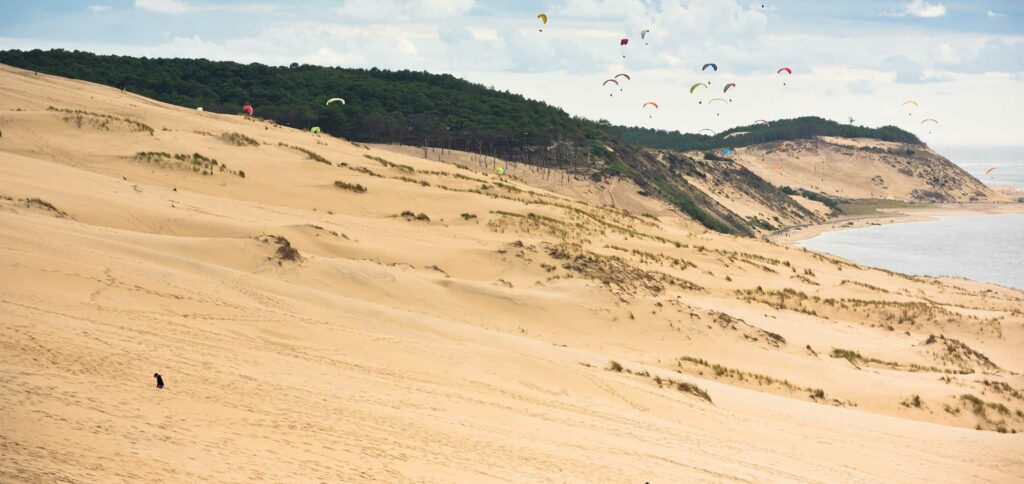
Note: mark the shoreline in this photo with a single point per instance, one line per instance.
(790, 236)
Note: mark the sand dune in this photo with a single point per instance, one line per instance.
(312, 332)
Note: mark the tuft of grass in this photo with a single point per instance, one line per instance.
(239, 139)
(100, 120)
(614, 366)
(285, 251)
(468, 216)
(309, 154)
(409, 215)
(913, 401)
(46, 206)
(389, 164)
(352, 187)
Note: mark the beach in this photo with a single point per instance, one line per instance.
(793, 235)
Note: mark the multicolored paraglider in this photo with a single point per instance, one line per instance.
(543, 20)
(248, 109)
(335, 100)
(651, 104)
(786, 70)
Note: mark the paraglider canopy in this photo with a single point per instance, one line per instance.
(200, 109)
(623, 41)
(335, 100)
(709, 130)
(610, 80)
(990, 170)
(651, 103)
(623, 75)
(314, 129)
(643, 35)
(695, 86)
(761, 121)
(786, 69)
(499, 171)
(929, 119)
(729, 85)
(248, 109)
(711, 65)
(543, 20)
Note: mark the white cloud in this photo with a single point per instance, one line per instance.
(991, 14)
(164, 6)
(177, 7)
(921, 8)
(389, 10)
(99, 8)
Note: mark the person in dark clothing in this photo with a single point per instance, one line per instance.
(159, 380)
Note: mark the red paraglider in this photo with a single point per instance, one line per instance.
(248, 109)
(624, 42)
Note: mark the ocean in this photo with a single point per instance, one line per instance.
(1007, 160)
(987, 248)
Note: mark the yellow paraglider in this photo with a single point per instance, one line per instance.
(499, 171)
(315, 129)
(543, 20)
(335, 100)
(990, 170)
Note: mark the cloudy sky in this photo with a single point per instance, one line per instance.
(962, 60)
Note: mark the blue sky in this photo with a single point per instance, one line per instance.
(963, 61)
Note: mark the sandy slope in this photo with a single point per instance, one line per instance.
(456, 349)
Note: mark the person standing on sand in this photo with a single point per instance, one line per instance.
(159, 381)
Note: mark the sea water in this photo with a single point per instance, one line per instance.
(988, 248)
(1008, 162)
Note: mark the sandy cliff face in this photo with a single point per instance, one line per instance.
(865, 168)
(325, 310)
